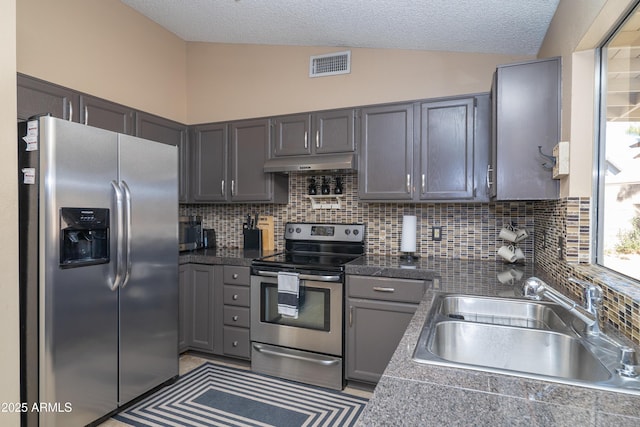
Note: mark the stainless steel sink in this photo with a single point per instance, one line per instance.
(532, 351)
(501, 311)
(532, 339)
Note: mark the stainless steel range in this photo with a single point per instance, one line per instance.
(297, 300)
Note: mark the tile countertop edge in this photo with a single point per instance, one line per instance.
(412, 393)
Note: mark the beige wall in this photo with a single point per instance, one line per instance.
(9, 350)
(577, 28)
(104, 48)
(227, 81)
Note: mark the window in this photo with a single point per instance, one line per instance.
(618, 201)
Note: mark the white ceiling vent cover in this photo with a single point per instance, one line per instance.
(330, 64)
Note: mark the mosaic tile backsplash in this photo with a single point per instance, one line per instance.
(560, 235)
(469, 230)
(562, 250)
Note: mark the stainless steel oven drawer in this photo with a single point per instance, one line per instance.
(236, 295)
(385, 288)
(297, 365)
(236, 316)
(236, 342)
(234, 275)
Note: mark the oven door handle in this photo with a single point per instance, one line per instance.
(283, 353)
(319, 278)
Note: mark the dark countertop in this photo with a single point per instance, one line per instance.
(222, 256)
(415, 394)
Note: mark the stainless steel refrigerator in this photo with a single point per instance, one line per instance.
(98, 270)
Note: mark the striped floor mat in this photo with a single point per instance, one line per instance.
(215, 395)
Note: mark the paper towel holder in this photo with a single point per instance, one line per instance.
(408, 242)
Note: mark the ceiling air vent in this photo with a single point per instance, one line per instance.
(330, 64)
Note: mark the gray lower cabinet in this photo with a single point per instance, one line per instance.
(197, 308)
(168, 132)
(526, 115)
(378, 311)
(322, 132)
(184, 309)
(227, 164)
(236, 311)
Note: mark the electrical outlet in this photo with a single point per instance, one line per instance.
(436, 234)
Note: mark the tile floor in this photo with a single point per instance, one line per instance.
(189, 362)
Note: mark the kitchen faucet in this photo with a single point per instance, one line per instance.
(535, 288)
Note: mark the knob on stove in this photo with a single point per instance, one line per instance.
(347, 231)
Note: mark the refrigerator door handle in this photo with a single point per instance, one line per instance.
(127, 232)
(117, 281)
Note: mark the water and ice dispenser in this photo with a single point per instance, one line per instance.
(84, 236)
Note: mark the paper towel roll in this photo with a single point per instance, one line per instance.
(408, 242)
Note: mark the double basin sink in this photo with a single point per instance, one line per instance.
(533, 339)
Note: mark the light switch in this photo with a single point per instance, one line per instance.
(436, 233)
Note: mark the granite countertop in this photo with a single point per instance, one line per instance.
(222, 256)
(415, 394)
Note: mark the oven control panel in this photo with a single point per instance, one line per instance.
(325, 232)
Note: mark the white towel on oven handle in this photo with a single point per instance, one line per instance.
(288, 294)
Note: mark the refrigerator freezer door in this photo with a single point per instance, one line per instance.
(78, 309)
(149, 295)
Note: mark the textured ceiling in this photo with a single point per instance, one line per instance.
(514, 27)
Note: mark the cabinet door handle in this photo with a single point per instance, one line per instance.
(222, 187)
(235, 343)
(234, 318)
(350, 315)
(234, 297)
(317, 139)
(383, 289)
(233, 187)
(70, 111)
(86, 115)
(409, 183)
(424, 182)
(235, 275)
(489, 173)
(306, 142)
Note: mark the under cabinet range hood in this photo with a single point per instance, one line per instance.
(318, 162)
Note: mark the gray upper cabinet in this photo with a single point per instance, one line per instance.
(446, 149)
(435, 151)
(324, 132)
(334, 131)
(107, 115)
(209, 163)
(228, 164)
(39, 97)
(526, 115)
(292, 135)
(386, 153)
(166, 131)
(250, 146)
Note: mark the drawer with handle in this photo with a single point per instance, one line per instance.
(385, 288)
(234, 275)
(236, 316)
(236, 295)
(236, 342)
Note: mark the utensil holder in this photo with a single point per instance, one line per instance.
(252, 238)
